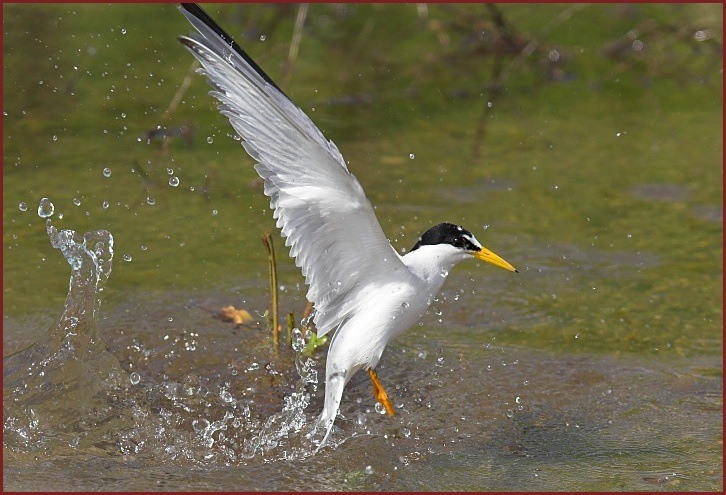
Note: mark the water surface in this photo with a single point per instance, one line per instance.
(598, 174)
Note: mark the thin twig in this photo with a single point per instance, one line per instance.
(272, 264)
(180, 92)
(290, 327)
(302, 13)
(500, 73)
(533, 44)
(308, 311)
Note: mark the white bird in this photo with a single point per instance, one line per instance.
(362, 289)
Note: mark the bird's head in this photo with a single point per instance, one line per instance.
(462, 240)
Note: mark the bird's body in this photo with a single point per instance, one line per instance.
(362, 289)
(389, 308)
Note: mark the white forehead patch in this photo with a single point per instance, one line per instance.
(472, 239)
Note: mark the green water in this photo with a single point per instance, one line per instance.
(599, 177)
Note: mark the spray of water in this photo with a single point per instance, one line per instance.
(282, 435)
(67, 391)
(63, 378)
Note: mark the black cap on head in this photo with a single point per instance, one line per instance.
(448, 233)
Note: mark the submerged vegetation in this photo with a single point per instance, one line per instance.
(535, 100)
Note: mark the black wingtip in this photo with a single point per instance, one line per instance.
(196, 11)
(202, 15)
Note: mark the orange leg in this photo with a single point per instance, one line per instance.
(380, 394)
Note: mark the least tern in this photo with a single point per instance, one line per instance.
(362, 289)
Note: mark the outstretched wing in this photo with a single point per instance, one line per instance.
(328, 222)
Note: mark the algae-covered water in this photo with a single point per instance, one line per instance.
(583, 143)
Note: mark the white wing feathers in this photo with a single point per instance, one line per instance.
(319, 205)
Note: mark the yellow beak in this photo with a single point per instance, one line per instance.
(489, 257)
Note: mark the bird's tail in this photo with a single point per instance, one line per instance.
(334, 386)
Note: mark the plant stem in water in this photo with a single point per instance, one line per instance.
(272, 264)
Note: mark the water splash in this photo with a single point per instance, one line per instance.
(67, 391)
(59, 379)
(90, 257)
(283, 435)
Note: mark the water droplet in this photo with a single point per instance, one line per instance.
(151, 201)
(173, 181)
(226, 396)
(45, 208)
(369, 470)
(144, 248)
(702, 35)
(380, 408)
(123, 31)
(107, 172)
(134, 378)
(405, 432)
(411, 156)
(23, 206)
(105, 205)
(55, 138)
(210, 139)
(127, 257)
(510, 413)
(170, 171)
(76, 201)
(214, 213)
(171, 450)
(200, 425)
(263, 37)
